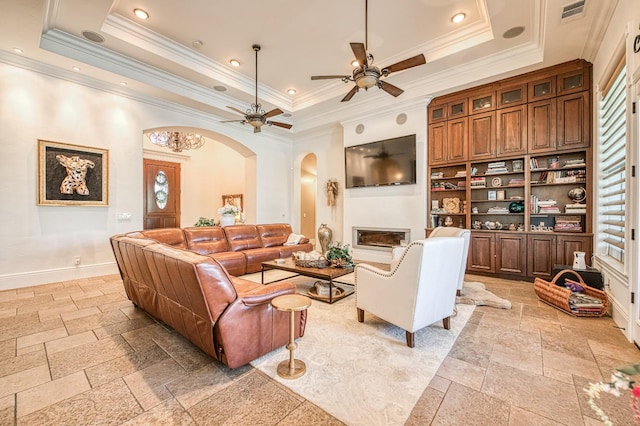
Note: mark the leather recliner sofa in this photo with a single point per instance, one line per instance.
(239, 248)
(227, 317)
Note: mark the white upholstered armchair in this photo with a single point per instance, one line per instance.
(443, 231)
(418, 291)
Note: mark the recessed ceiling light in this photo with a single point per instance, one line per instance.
(75, 68)
(234, 63)
(355, 63)
(291, 91)
(140, 13)
(17, 50)
(94, 37)
(286, 114)
(123, 83)
(458, 17)
(197, 44)
(220, 88)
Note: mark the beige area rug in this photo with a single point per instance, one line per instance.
(474, 293)
(362, 373)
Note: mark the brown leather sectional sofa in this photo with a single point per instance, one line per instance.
(239, 248)
(229, 318)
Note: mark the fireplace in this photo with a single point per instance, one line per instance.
(379, 238)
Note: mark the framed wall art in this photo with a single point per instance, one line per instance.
(233, 200)
(72, 175)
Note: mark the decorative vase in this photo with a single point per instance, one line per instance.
(227, 220)
(324, 237)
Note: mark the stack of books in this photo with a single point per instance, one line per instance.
(437, 175)
(543, 206)
(568, 224)
(575, 208)
(461, 173)
(581, 303)
(478, 182)
(575, 163)
(563, 176)
(516, 182)
(496, 167)
(498, 210)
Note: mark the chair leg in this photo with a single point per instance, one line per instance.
(446, 322)
(410, 341)
(360, 315)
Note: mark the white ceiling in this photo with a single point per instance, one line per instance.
(299, 38)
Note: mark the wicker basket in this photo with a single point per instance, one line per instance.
(320, 263)
(558, 296)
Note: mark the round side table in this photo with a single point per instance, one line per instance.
(293, 368)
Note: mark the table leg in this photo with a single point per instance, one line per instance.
(293, 368)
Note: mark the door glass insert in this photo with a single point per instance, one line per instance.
(457, 109)
(542, 89)
(572, 81)
(482, 103)
(512, 96)
(437, 113)
(161, 189)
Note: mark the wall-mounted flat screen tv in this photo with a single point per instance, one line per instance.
(381, 163)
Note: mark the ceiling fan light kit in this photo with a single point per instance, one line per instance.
(256, 115)
(365, 75)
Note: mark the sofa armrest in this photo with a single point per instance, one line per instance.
(266, 293)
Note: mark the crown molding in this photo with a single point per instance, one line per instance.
(157, 44)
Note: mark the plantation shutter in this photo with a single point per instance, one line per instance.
(612, 166)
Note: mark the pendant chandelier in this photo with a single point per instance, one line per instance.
(176, 141)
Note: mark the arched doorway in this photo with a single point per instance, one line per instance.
(308, 195)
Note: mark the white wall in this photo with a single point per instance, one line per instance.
(391, 206)
(39, 242)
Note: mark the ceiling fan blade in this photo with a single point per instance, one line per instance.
(407, 63)
(232, 121)
(327, 77)
(276, 111)
(390, 88)
(350, 94)
(236, 110)
(360, 53)
(278, 124)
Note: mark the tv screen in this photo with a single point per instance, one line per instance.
(385, 162)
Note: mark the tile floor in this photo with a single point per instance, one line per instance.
(78, 352)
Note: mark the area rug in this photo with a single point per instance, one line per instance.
(362, 373)
(474, 293)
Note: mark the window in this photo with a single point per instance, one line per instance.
(612, 167)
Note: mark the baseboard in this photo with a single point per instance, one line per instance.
(27, 279)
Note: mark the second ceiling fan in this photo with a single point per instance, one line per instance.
(256, 116)
(365, 75)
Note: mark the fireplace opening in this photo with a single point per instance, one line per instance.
(379, 238)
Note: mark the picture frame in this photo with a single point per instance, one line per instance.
(501, 194)
(234, 200)
(491, 195)
(72, 175)
(517, 165)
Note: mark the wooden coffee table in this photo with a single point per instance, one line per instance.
(328, 274)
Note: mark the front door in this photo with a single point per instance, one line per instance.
(161, 194)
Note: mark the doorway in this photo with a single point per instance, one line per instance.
(308, 194)
(161, 194)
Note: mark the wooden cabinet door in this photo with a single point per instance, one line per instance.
(542, 126)
(482, 252)
(512, 95)
(437, 143)
(437, 113)
(574, 118)
(567, 244)
(574, 81)
(482, 136)
(511, 132)
(511, 252)
(457, 139)
(540, 255)
(543, 88)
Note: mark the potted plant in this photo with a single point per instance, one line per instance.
(203, 221)
(339, 256)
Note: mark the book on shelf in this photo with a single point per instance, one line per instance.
(461, 173)
(437, 175)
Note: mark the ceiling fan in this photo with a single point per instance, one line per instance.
(365, 75)
(255, 115)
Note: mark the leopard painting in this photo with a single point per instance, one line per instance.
(76, 174)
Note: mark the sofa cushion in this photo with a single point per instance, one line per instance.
(258, 255)
(171, 236)
(242, 237)
(233, 261)
(275, 234)
(206, 239)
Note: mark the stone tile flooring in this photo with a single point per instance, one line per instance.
(78, 352)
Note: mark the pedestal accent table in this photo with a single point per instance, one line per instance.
(293, 368)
